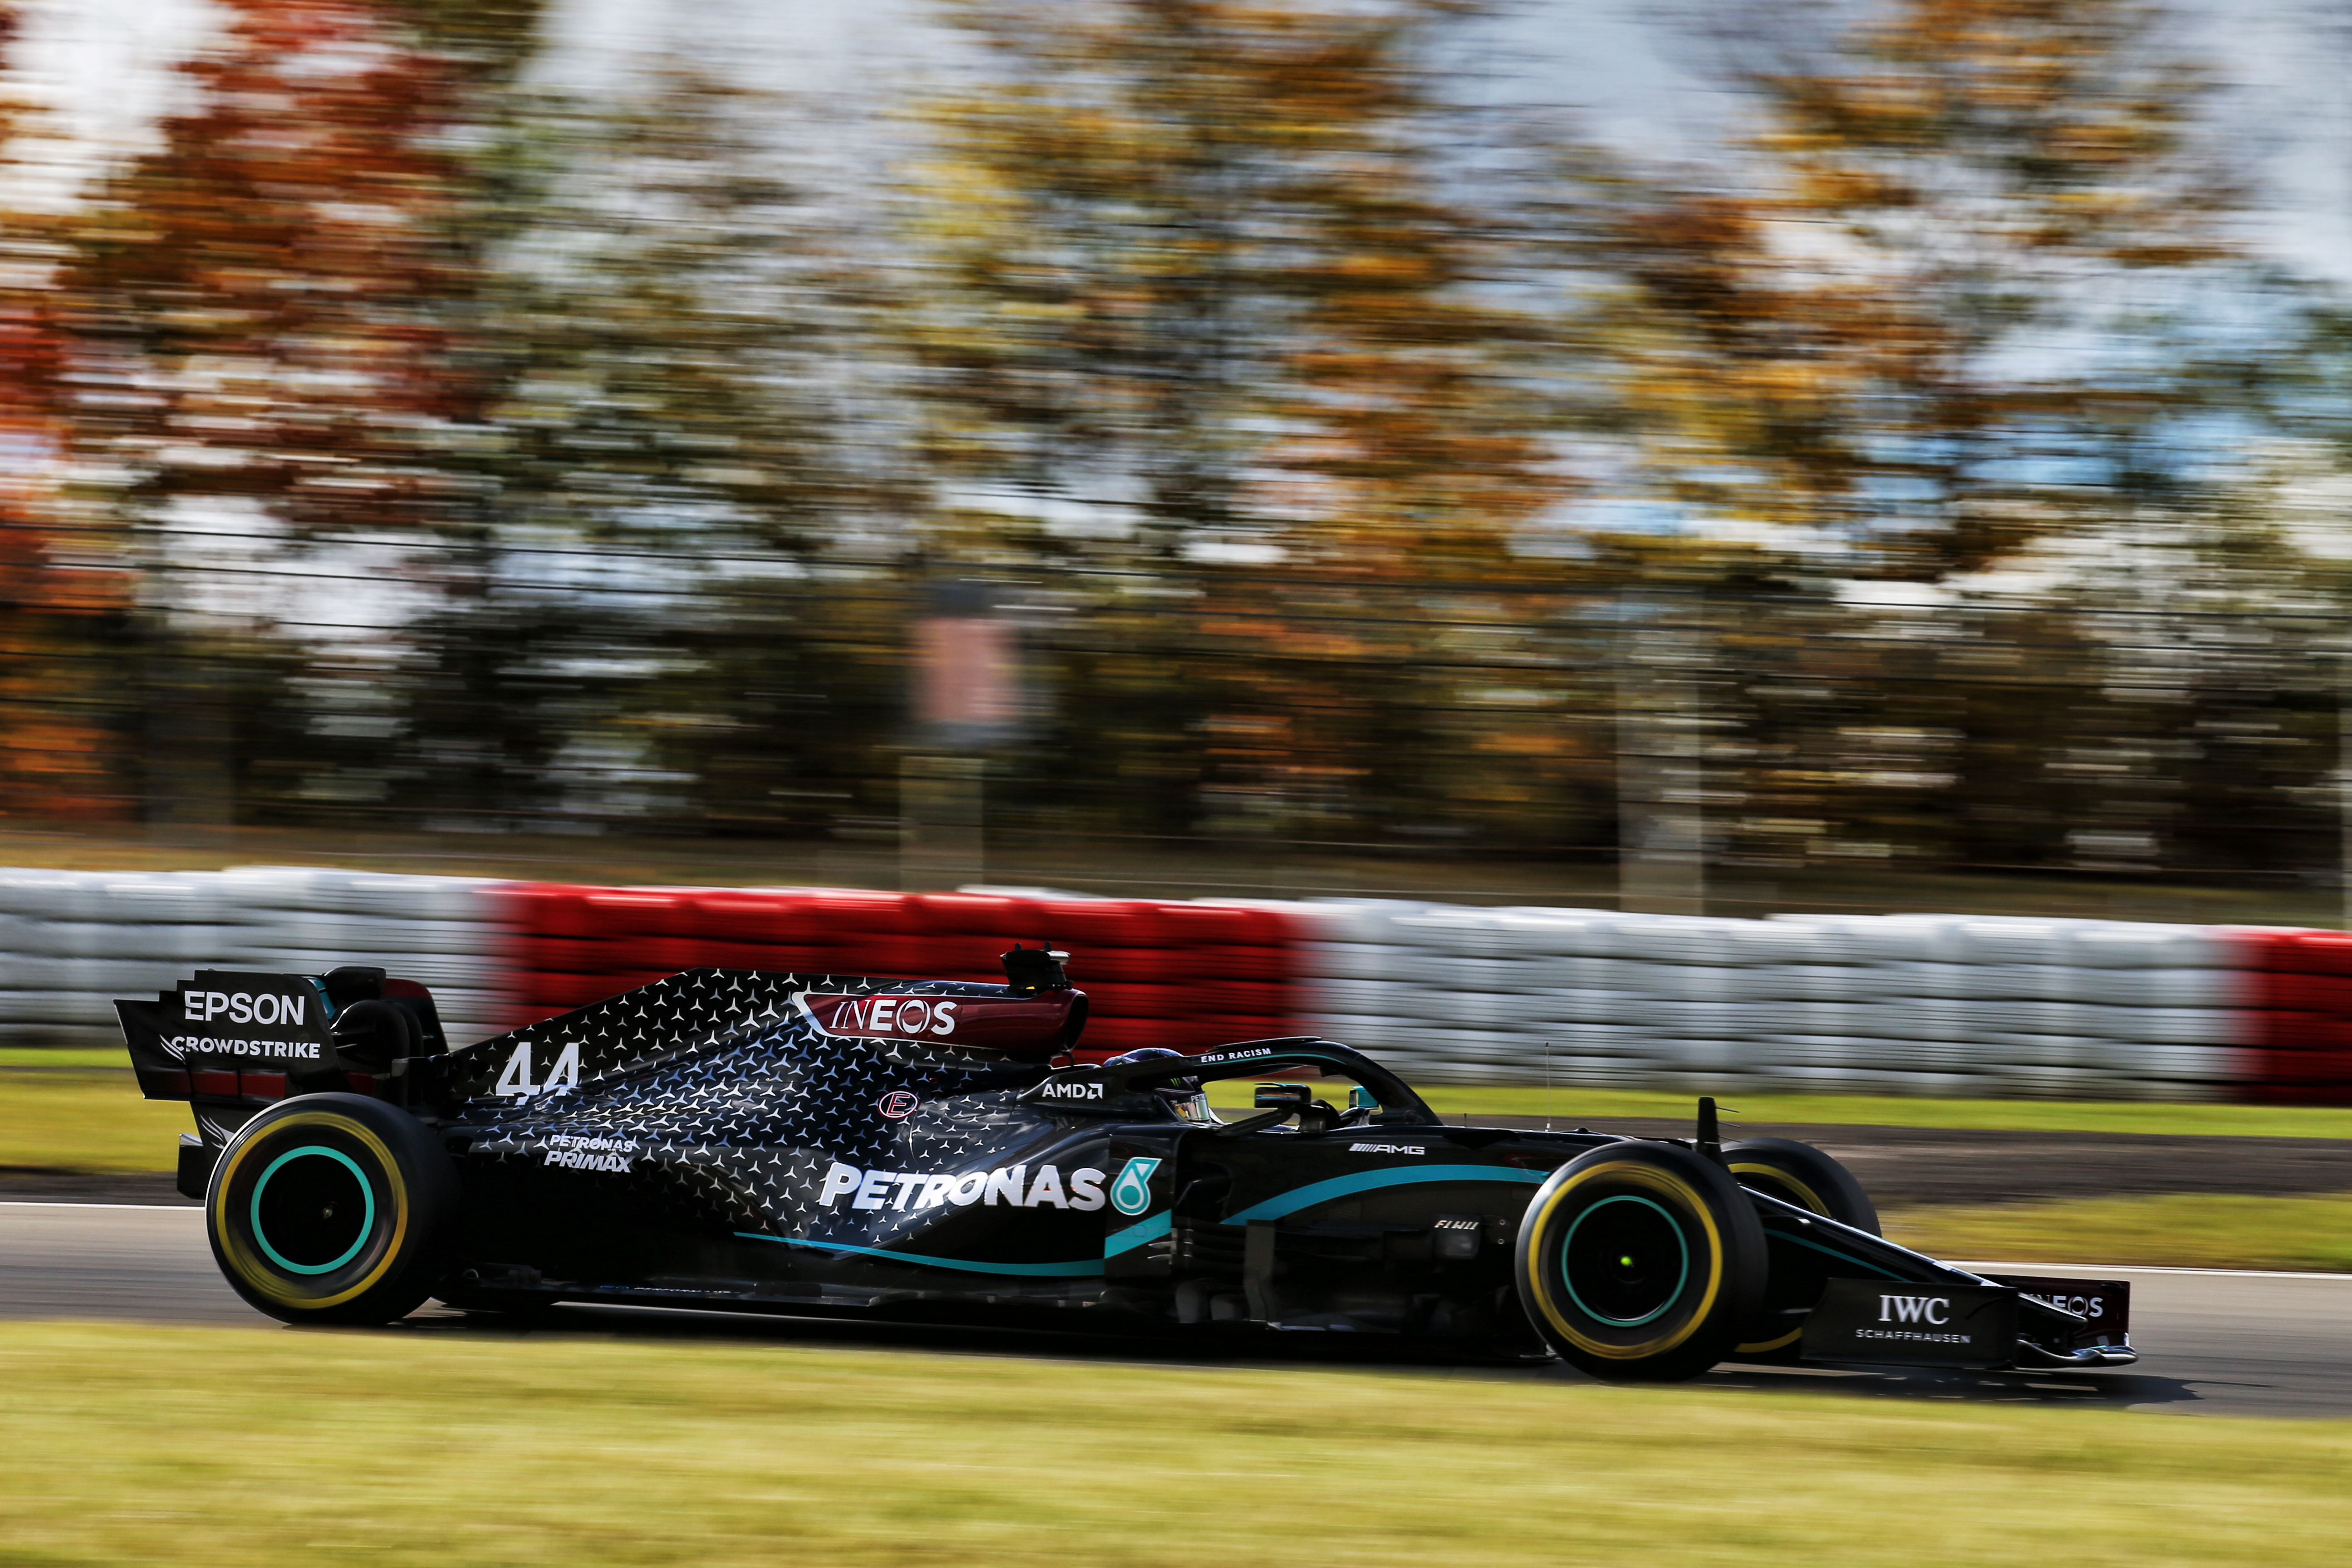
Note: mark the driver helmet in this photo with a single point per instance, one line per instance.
(1185, 1096)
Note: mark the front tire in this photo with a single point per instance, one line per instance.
(331, 1208)
(1641, 1261)
(1802, 1174)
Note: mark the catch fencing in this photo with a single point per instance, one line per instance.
(1912, 1004)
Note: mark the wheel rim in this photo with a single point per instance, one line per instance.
(294, 1266)
(314, 1210)
(1625, 1261)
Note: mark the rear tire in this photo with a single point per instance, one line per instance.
(1641, 1261)
(331, 1208)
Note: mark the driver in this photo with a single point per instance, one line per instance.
(1185, 1096)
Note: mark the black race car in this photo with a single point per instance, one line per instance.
(815, 1144)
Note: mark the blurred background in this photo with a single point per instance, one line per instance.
(1756, 457)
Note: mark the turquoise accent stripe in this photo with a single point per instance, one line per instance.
(1833, 1252)
(367, 1217)
(1314, 1193)
(1135, 1235)
(1567, 1275)
(1051, 1270)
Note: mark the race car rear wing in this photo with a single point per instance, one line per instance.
(252, 1037)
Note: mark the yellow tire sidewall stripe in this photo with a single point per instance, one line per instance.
(253, 1272)
(1637, 1174)
(1811, 1200)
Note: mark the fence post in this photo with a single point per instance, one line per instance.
(941, 805)
(1661, 765)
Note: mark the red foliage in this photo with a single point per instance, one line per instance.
(270, 288)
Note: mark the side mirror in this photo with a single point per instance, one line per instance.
(1283, 1097)
(1029, 969)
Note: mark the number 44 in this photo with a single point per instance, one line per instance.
(516, 1080)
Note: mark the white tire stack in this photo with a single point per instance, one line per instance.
(1907, 1005)
(444, 933)
(72, 941)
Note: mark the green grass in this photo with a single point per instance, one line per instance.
(228, 1447)
(1761, 1110)
(67, 1056)
(87, 1121)
(2188, 1230)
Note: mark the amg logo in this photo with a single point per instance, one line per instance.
(1388, 1149)
(1915, 1308)
(1053, 1090)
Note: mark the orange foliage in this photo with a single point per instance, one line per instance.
(57, 755)
(264, 288)
(1887, 336)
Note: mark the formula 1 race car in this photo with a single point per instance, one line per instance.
(814, 1144)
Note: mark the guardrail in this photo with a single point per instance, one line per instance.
(1932, 1004)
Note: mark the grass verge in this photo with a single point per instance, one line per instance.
(199, 1447)
(64, 1057)
(2186, 1230)
(1762, 1112)
(87, 1121)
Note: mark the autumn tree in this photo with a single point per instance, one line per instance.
(63, 592)
(263, 365)
(257, 296)
(660, 468)
(1195, 265)
(1950, 290)
(1219, 289)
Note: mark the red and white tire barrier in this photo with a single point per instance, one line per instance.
(1940, 1004)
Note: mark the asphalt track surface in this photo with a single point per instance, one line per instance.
(2217, 1342)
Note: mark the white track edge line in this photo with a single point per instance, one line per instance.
(51, 1204)
(64, 1205)
(2091, 1270)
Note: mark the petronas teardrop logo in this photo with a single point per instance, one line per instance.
(1131, 1193)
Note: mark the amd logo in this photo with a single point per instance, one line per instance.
(1058, 1090)
(1914, 1310)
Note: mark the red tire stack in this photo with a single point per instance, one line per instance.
(2301, 991)
(1186, 976)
